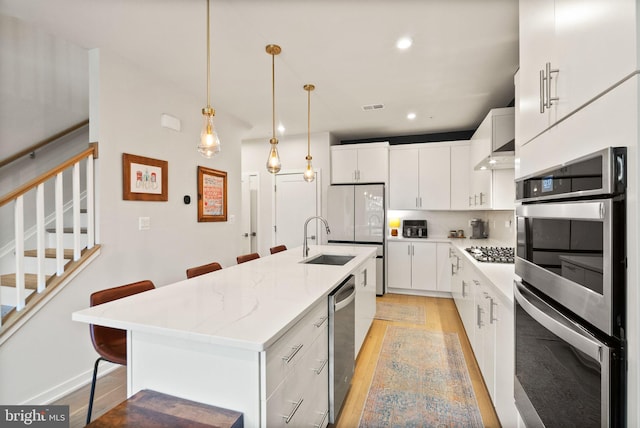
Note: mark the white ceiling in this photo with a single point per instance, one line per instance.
(461, 64)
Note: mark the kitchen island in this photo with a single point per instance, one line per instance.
(237, 338)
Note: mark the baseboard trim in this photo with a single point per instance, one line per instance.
(69, 386)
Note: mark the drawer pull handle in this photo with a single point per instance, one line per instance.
(293, 353)
(319, 370)
(293, 412)
(321, 424)
(320, 321)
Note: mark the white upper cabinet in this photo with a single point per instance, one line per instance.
(570, 52)
(460, 177)
(360, 163)
(491, 189)
(428, 176)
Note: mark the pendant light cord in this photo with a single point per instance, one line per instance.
(208, 57)
(273, 95)
(308, 123)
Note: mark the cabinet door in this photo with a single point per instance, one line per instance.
(434, 174)
(592, 54)
(444, 267)
(537, 28)
(486, 336)
(399, 264)
(423, 266)
(480, 186)
(505, 365)
(504, 189)
(343, 165)
(403, 179)
(365, 302)
(460, 177)
(373, 165)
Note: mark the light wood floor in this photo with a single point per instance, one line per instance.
(441, 316)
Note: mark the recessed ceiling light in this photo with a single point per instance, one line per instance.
(281, 128)
(411, 116)
(492, 161)
(404, 43)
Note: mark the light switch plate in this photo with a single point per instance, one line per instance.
(144, 223)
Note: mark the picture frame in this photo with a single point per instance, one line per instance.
(144, 179)
(212, 195)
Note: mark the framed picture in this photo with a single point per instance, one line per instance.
(144, 179)
(212, 195)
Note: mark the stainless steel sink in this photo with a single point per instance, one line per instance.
(328, 259)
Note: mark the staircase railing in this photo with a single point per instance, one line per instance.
(45, 142)
(17, 198)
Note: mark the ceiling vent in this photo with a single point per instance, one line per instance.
(373, 107)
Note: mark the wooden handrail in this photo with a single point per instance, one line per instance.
(43, 143)
(92, 150)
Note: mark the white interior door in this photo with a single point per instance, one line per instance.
(295, 201)
(249, 213)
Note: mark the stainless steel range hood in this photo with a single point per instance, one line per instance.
(500, 158)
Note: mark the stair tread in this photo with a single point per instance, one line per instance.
(30, 280)
(67, 230)
(50, 253)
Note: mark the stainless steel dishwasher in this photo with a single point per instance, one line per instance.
(341, 343)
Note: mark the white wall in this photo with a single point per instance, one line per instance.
(292, 150)
(51, 355)
(439, 223)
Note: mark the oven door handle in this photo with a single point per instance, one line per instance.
(574, 210)
(557, 323)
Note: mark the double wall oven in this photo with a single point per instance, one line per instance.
(570, 301)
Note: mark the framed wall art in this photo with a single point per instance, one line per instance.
(144, 179)
(212, 194)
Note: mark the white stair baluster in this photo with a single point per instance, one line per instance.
(90, 218)
(40, 247)
(59, 226)
(76, 211)
(19, 237)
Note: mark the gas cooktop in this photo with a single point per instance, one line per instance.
(492, 254)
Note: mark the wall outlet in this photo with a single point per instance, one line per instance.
(507, 223)
(144, 223)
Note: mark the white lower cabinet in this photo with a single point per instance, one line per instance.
(297, 373)
(412, 265)
(365, 302)
(488, 319)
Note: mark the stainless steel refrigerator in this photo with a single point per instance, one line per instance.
(356, 216)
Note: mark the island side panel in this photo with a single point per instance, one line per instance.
(221, 376)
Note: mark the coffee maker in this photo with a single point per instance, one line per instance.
(478, 229)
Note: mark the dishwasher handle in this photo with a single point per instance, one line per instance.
(345, 297)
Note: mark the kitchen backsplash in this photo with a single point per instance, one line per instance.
(501, 224)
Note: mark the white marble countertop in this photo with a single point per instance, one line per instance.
(246, 306)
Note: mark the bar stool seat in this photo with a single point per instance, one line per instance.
(201, 270)
(278, 248)
(247, 257)
(111, 343)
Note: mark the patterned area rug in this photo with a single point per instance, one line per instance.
(403, 313)
(421, 380)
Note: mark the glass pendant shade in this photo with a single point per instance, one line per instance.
(273, 162)
(309, 175)
(209, 141)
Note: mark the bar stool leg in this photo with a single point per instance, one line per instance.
(93, 388)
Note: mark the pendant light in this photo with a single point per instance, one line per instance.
(309, 175)
(273, 162)
(209, 141)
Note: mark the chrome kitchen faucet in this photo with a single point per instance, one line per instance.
(305, 246)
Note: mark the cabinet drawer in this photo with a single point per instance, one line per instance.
(302, 398)
(282, 357)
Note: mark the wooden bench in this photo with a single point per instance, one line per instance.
(150, 408)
